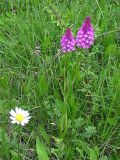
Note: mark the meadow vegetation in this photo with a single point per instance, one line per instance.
(73, 98)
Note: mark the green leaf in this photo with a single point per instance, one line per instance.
(85, 147)
(111, 50)
(80, 151)
(14, 155)
(41, 150)
(28, 86)
(90, 131)
(93, 155)
(4, 143)
(112, 121)
(3, 83)
(45, 135)
(104, 158)
(42, 85)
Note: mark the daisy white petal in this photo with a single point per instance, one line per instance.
(22, 123)
(17, 110)
(18, 122)
(12, 118)
(28, 117)
(26, 120)
(14, 121)
(12, 113)
(26, 114)
(20, 110)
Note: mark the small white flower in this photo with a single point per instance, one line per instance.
(19, 116)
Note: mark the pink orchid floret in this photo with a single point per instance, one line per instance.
(67, 42)
(85, 35)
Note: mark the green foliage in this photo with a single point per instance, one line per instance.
(73, 99)
(93, 155)
(90, 131)
(4, 144)
(104, 158)
(14, 155)
(41, 150)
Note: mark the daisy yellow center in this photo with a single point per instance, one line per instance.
(19, 117)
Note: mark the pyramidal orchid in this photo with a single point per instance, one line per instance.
(84, 38)
(67, 41)
(85, 35)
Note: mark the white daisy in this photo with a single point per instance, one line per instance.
(19, 116)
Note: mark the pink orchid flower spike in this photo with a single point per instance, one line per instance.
(85, 35)
(67, 42)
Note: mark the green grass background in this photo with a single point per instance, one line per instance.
(74, 99)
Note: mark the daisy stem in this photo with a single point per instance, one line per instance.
(18, 143)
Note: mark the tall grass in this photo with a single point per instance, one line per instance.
(74, 99)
